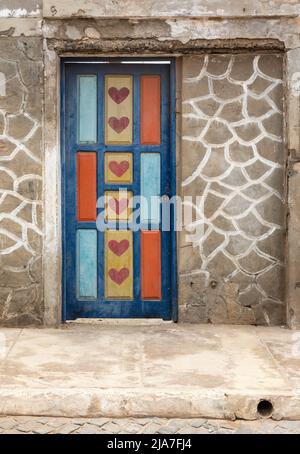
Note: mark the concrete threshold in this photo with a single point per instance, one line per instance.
(150, 369)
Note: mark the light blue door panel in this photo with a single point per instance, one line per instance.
(87, 108)
(150, 187)
(86, 263)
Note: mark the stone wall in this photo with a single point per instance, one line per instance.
(21, 157)
(233, 156)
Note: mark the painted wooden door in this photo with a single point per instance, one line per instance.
(117, 133)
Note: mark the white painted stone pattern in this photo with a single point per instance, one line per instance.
(232, 146)
(20, 184)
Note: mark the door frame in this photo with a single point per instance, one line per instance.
(172, 128)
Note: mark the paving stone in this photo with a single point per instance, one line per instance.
(263, 426)
(111, 427)
(157, 420)
(280, 430)
(199, 430)
(231, 425)
(222, 431)
(121, 421)
(42, 429)
(7, 423)
(88, 429)
(289, 425)
(176, 424)
(132, 428)
(151, 428)
(56, 422)
(167, 430)
(102, 431)
(96, 421)
(197, 422)
(25, 419)
(142, 421)
(196, 430)
(207, 424)
(244, 429)
(26, 427)
(44, 420)
(67, 429)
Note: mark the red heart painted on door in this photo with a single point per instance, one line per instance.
(118, 168)
(118, 247)
(118, 276)
(118, 95)
(118, 205)
(118, 124)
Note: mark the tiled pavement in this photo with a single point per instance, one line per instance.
(45, 425)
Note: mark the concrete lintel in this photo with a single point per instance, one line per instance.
(186, 33)
(154, 46)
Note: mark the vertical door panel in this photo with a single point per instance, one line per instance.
(118, 109)
(118, 264)
(87, 108)
(150, 110)
(86, 186)
(150, 187)
(117, 205)
(151, 265)
(118, 168)
(86, 263)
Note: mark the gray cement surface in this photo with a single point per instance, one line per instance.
(137, 369)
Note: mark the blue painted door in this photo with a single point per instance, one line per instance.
(117, 144)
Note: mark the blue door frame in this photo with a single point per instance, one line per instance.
(72, 307)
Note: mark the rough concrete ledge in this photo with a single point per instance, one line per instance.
(120, 403)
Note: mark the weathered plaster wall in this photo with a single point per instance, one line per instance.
(21, 8)
(21, 295)
(151, 27)
(232, 155)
